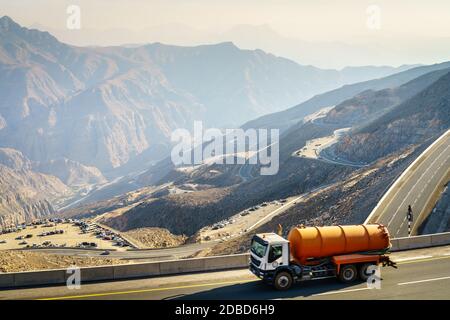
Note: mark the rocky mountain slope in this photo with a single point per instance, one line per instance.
(285, 119)
(185, 213)
(424, 107)
(370, 104)
(112, 106)
(24, 193)
(348, 201)
(420, 117)
(71, 172)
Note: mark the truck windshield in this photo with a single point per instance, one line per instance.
(258, 247)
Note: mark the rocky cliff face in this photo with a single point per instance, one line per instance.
(70, 172)
(421, 117)
(25, 194)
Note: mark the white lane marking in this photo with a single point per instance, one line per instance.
(412, 258)
(418, 180)
(340, 291)
(421, 281)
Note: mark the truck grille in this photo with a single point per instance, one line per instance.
(255, 261)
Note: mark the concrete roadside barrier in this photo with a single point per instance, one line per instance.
(227, 262)
(96, 273)
(138, 270)
(182, 266)
(6, 280)
(417, 242)
(440, 239)
(35, 278)
(394, 244)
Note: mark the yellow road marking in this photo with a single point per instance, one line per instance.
(148, 290)
(197, 285)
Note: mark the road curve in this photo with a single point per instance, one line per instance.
(415, 187)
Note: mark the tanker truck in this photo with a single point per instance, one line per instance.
(310, 253)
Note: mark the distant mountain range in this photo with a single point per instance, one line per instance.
(105, 107)
(286, 118)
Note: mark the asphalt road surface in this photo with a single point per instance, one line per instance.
(415, 188)
(144, 254)
(328, 155)
(421, 274)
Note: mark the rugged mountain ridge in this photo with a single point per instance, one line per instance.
(112, 106)
(289, 117)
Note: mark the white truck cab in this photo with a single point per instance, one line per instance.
(270, 260)
(268, 252)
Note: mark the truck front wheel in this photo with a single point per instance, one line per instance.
(283, 281)
(348, 273)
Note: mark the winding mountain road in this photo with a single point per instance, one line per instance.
(419, 187)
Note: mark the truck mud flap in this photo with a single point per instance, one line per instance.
(387, 262)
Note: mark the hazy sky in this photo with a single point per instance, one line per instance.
(404, 31)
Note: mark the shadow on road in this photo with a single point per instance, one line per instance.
(259, 290)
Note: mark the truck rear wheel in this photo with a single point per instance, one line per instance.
(348, 273)
(283, 281)
(364, 274)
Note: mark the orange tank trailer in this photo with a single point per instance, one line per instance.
(307, 244)
(348, 253)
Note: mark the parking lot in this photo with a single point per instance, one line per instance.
(62, 234)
